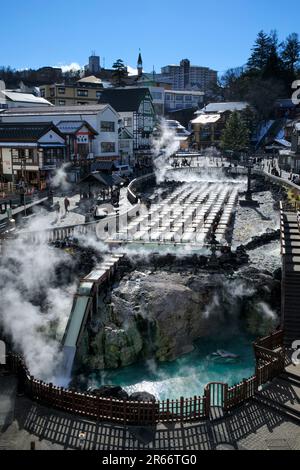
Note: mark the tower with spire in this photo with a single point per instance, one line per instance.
(140, 64)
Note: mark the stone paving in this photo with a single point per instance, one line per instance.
(252, 426)
(50, 220)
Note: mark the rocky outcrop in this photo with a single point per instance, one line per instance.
(110, 391)
(160, 314)
(142, 396)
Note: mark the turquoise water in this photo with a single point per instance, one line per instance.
(188, 375)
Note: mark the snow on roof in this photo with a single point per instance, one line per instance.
(284, 142)
(25, 98)
(222, 107)
(60, 110)
(206, 119)
(91, 79)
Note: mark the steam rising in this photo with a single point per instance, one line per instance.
(33, 311)
(163, 148)
(59, 181)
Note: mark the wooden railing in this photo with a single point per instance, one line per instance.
(269, 353)
(59, 233)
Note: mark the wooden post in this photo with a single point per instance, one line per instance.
(181, 408)
(225, 399)
(207, 401)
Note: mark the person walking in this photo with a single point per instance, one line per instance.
(67, 204)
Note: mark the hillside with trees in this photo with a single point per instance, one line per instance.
(268, 75)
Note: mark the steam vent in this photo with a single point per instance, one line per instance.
(149, 301)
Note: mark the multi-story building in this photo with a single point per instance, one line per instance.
(135, 106)
(187, 76)
(176, 99)
(211, 121)
(84, 92)
(157, 94)
(93, 66)
(289, 159)
(16, 99)
(102, 121)
(30, 152)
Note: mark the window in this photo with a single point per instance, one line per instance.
(82, 103)
(98, 94)
(82, 93)
(188, 98)
(157, 95)
(179, 97)
(53, 156)
(52, 92)
(128, 122)
(147, 107)
(124, 144)
(107, 126)
(108, 147)
(61, 102)
(23, 156)
(168, 97)
(61, 90)
(43, 94)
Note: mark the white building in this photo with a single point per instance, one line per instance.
(176, 99)
(15, 99)
(102, 117)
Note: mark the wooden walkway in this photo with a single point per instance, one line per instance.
(290, 249)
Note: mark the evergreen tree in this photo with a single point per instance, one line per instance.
(260, 52)
(274, 65)
(235, 136)
(120, 73)
(291, 52)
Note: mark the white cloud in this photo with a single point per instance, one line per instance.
(131, 71)
(74, 66)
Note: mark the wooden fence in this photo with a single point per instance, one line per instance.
(269, 353)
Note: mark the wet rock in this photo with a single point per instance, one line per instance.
(277, 274)
(142, 396)
(160, 314)
(110, 391)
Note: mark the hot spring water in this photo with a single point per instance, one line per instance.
(188, 375)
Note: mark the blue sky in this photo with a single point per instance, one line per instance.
(214, 33)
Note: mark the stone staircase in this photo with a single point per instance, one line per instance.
(290, 243)
(282, 395)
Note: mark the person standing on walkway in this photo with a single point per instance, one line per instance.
(57, 210)
(67, 204)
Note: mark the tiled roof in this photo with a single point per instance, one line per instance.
(104, 166)
(71, 127)
(25, 132)
(85, 109)
(124, 99)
